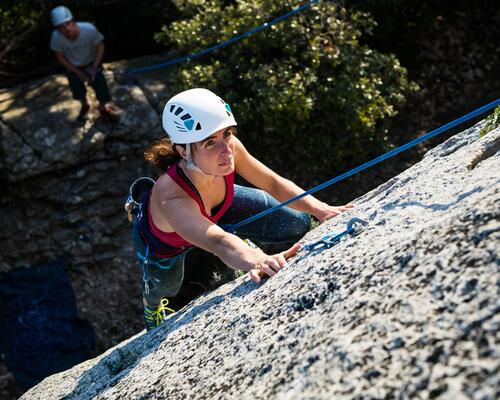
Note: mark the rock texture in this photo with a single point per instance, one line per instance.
(64, 184)
(409, 308)
(58, 171)
(63, 187)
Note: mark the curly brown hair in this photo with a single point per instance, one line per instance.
(162, 154)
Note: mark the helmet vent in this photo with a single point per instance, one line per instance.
(185, 117)
(178, 111)
(180, 127)
(172, 108)
(198, 127)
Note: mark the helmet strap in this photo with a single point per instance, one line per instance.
(190, 162)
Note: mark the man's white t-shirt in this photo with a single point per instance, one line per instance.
(82, 51)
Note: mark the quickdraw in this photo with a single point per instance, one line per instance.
(354, 226)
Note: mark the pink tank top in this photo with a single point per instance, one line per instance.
(175, 172)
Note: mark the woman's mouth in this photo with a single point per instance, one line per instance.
(225, 163)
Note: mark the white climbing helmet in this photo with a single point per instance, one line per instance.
(195, 114)
(60, 15)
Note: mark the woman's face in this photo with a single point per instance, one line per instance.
(215, 154)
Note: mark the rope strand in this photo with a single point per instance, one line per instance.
(444, 128)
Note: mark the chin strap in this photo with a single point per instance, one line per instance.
(190, 162)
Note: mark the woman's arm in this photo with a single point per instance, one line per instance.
(281, 188)
(183, 216)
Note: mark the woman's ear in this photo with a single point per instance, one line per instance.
(181, 150)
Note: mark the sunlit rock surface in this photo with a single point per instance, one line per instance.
(63, 186)
(409, 308)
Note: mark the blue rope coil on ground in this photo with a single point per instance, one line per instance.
(40, 333)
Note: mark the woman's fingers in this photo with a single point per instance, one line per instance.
(254, 275)
(335, 211)
(291, 251)
(273, 264)
(268, 270)
(281, 260)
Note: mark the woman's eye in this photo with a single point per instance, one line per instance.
(227, 134)
(209, 143)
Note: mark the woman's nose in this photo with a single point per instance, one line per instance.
(226, 147)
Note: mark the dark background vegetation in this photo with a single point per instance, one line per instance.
(451, 49)
(25, 28)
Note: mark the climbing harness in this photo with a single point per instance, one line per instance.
(354, 226)
(138, 192)
(219, 45)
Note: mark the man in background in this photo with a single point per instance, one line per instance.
(79, 49)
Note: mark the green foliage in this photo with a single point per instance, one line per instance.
(306, 92)
(19, 21)
(16, 18)
(492, 122)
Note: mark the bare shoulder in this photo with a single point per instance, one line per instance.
(238, 145)
(240, 151)
(167, 201)
(167, 189)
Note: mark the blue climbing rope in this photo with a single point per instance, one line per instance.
(444, 128)
(223, 44)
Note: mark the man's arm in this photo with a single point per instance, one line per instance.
(98, 59)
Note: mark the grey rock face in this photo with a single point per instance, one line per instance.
(409, 308)
(64, 183)
(67, 179)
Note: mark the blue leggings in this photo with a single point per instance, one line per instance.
(285, 226)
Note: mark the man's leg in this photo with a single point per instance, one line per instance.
(101, 89)
(79, 92)
(100, 86)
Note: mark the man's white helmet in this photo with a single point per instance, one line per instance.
(60, 15)
(195, 114)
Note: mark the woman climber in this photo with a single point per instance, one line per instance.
(195, 197)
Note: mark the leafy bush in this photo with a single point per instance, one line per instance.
(19, 23)
(306, 93)
(492, 122)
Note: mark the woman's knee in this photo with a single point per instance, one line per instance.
(303, 224)
(296, 226)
